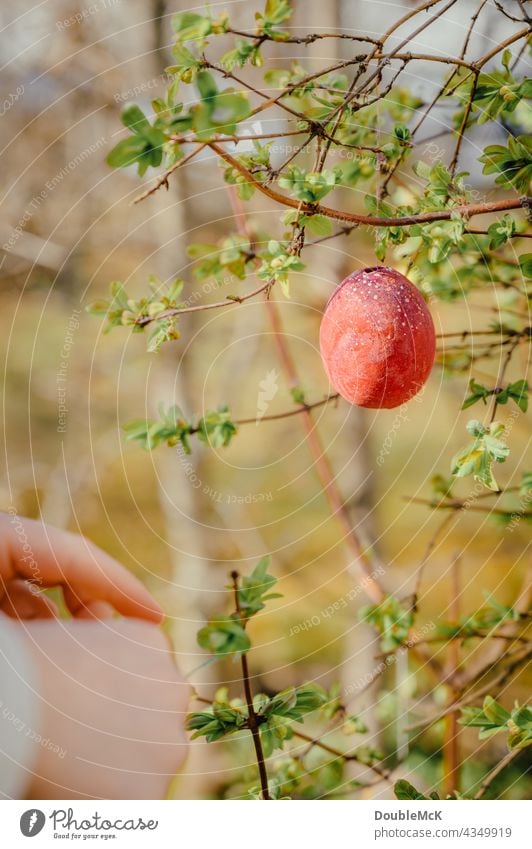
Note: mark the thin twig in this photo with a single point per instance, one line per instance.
(163, 179)
(516, 661)
(382, 773)
(374, 221)
(229, 301)
(450, 749)
(253, 724)
(497, 769)
(500, 378)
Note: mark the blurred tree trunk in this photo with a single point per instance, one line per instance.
(356, 480)
(186, 597)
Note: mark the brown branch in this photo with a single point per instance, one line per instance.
(403, 43)
(230, 300)
(249, 87)
(454, 504)
(277, 416)
(485, 233)
(321, 460)
(286, 415)
(426, 556)
(463, 124)
(450, 748)
(373, 221)
(506, 43)
(253, 724)
(500, 377)
(314, 741)
(382, 773)
(516, 661)
(497, 769)
(306, 39)
(163, 179)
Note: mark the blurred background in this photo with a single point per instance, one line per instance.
(68, 228)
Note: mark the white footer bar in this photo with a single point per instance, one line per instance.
(227, 825)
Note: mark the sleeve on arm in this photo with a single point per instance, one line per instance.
(19, 712)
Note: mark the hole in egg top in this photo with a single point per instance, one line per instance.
(377, 339)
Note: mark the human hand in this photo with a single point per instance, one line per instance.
(34, 556)
(113, 703)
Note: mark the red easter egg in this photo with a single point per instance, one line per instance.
(377, 339)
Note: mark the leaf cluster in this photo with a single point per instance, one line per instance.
(492, 718)
(391, 619)
(215, 428)
(477, 458)
(516, 391)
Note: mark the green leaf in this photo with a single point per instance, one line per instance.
(127, 152)
(223, 717)
(224, 635)
(191, 27)
(134, 118)
(495, 712)
(526, 484)
(513, 164)
(525, 264)
(404, 791)
(216, 428)
(298, 395)
(518, 391)
(245, 51)
(187, 64)
(319, 225)
(275, 12)
(309, 186)
(254, 589)
(391, 620)
(273, 734)
(477, 458)
(206, 85)
(295, 702)
(501, 231)
(478, 393)
(492, 718)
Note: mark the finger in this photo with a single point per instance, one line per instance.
(50, 556)
(92, 610)
(23, 601)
